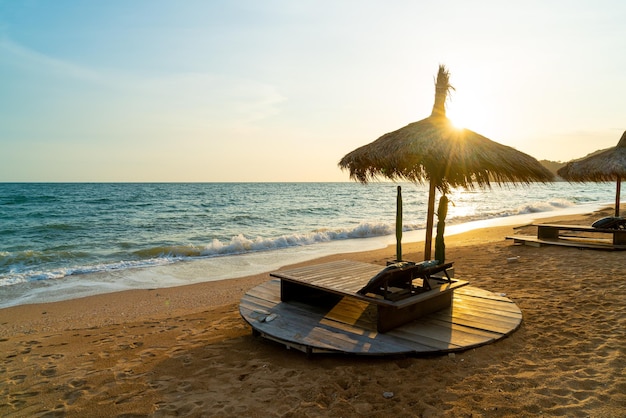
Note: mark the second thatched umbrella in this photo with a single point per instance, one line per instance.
(608, 165)
(432, 150)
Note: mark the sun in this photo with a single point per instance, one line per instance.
(471, 116)
(461, 118)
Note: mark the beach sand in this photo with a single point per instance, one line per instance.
(186, 352)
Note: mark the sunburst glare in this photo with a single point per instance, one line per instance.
(462, 204)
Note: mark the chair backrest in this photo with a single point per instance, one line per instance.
(610, 222)
(395, 274)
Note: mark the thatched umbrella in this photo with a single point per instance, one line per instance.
(433, 150)
(609, 165)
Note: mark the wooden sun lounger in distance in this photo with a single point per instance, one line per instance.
(578, 236)
(400, 293)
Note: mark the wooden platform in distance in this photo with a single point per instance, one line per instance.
(575, 242)
(348, 325)
(552, 231)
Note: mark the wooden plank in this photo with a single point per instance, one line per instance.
(419, 336)
(254, 306)
(484, 334)
(299, 326)
(333, 275)
(266, 293)
(301, 320)
(321, 330)
(292, 324)
(487, 313)
(342, 277)
(467, 310)
(325, 326)
(577, 228)
(506, 311)
(479, 322)
(457, 335)
(317, 329)
(555, 232)
(463, 311)
(390, 314)
(346, 278)
(480, 293)
(349, 312)
(332, 270)
(537, 242)
(486, 305)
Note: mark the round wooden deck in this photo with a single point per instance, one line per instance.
(348, 325)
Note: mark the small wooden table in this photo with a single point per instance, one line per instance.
(320, 283)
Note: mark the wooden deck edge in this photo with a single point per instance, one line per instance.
(307, 349)
(479, 318)
(581, 228)
(538, 242)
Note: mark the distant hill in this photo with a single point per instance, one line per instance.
(552, 165)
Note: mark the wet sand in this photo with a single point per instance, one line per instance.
(185, 351)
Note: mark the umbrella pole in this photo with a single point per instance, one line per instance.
(399, 225)
(619, 186)
(429, 221)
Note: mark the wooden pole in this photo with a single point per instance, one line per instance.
(617, 194)
(429, 221)
(399, 225)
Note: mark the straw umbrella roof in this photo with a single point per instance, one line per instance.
(608, 165)
(432, 150)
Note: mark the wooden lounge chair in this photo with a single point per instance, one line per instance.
(610, 222)
(398, 281)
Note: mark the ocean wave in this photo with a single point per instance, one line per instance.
(28, 266)
(23, 266)
(23, 259)
(241, 244)
(547, 206)
(17, 277)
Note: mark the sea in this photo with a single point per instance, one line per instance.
(67, 240)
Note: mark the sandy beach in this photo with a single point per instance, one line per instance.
(186, 351)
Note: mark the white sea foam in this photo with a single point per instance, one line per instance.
(194, 270)
(53, 235)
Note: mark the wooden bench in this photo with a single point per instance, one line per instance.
(578, 236)
(401, 301)
(553, 231)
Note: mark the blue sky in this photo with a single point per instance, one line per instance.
(281, 90)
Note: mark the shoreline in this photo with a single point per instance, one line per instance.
(209, 269)
(179, 299)
(185, 350)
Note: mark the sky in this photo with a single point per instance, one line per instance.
(281, 90)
